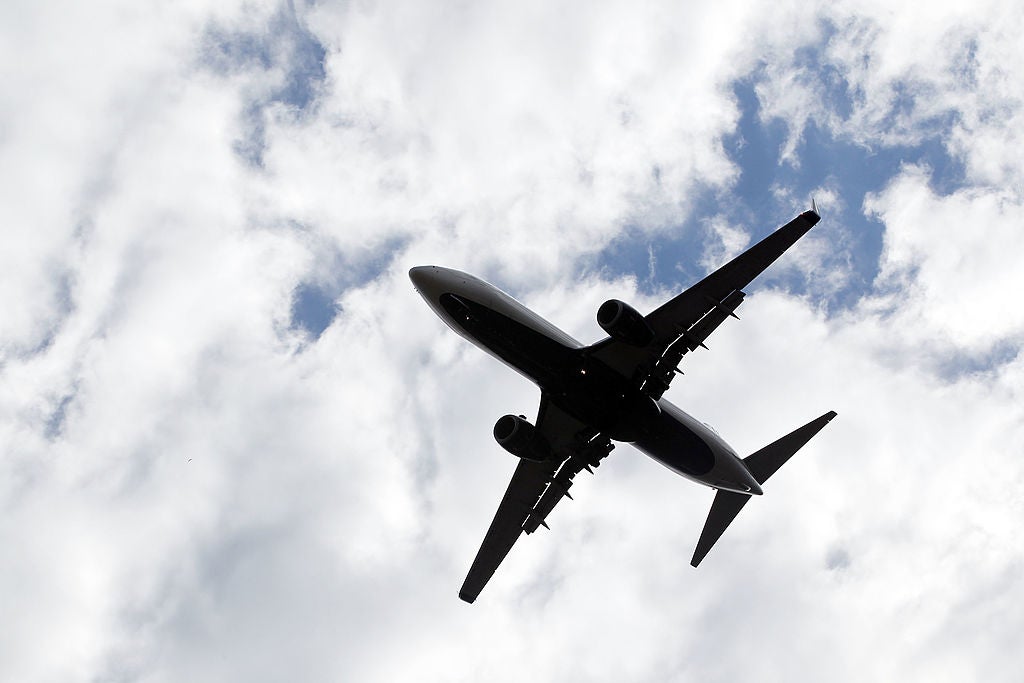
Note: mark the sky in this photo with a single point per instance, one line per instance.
(236, 444)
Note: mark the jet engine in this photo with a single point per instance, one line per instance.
(520, 438)
(623, 323)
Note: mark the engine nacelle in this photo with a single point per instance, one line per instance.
(624, 323)
(520, 438)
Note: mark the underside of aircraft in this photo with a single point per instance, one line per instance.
(613, 390)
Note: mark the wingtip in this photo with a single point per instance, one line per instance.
(830, 415)
(466, 598)
(812, 214)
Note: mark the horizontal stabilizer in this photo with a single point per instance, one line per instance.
(762, 465)
(769, 459)
(723, 510)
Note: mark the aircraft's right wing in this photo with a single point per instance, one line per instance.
(528, 483)
(684, 322)
(535, 489)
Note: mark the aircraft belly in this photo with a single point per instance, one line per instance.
(590, 392)
(672, 443)
(512, 340)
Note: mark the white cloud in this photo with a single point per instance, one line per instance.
(337, 490)
(903, 75)
(946, 262)
(732, 241)
(436, 131)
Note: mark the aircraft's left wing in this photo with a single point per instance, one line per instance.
(535, 489)
(684, 322)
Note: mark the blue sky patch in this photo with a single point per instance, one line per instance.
(315, 300)
(284, 43)
(761, 197)
(313, 309)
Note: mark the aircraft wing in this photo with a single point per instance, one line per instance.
(535, 489)
(684, 322)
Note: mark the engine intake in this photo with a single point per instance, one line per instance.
(520, 438)
(624, 323)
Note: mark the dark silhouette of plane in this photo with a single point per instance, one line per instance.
(609, 391)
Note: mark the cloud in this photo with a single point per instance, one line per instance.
(885, 77)
(945, 260)
(198, 489)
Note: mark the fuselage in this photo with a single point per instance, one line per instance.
(578, 383)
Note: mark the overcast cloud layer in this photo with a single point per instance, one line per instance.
(238, 446)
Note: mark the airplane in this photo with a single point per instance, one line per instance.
(612, 390)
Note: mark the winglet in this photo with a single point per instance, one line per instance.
(814, 207)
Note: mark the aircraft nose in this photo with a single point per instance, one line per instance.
(419, 275)
(429, 281)
(426, 280)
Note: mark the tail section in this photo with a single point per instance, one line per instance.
(723, 510)
(769, 459)
(762, 464)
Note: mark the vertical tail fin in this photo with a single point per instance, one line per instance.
(762, 464)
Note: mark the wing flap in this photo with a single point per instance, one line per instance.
(587, 456)
(665, 369)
